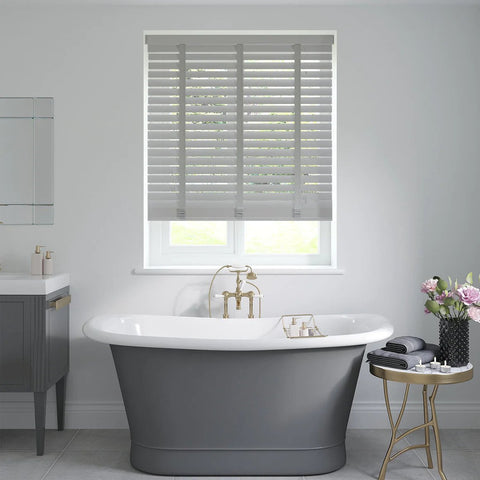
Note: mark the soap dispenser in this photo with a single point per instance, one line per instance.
(48, 263)
(36, 266)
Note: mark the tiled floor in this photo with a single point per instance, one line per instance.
(104, 455)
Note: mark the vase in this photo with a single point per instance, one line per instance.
(454, 341)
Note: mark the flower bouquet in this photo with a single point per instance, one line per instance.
(454, 305)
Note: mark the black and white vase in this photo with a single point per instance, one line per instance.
(454, 342)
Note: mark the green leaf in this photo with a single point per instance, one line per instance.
(450, 282)
(456, 284)
(448, 301)
(442, 284)
(432, 306)
(469, 278)
(443, 310)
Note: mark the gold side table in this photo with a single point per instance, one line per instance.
(409, 377)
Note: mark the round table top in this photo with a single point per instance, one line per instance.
(430, 377)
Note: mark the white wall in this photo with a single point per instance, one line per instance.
(408, 163)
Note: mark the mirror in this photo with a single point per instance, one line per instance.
(26, 160)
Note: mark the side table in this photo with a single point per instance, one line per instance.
(409, 377)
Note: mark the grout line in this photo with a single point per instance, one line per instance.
(60, 455)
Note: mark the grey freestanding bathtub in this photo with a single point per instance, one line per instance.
(235, 396)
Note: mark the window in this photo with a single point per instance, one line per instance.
(239, 148)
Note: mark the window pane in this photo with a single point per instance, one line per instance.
(282, 237)
(198, 233)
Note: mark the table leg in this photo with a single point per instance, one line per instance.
(40, 401)
(437, 433)
(60, 394)
(427, 428)
(393, 426)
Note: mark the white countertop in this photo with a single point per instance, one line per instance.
(26, 284)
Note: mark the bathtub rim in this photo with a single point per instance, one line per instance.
(95, 330)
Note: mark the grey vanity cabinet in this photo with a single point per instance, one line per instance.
(34, 350)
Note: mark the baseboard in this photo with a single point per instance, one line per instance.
(77, 415)
(112, 415)
(450, 414)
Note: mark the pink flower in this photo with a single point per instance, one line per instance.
(426, 310)
(429, 285)
(468, 294)
(474, 313)
(440, 298)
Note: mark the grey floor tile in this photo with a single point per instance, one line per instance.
(101, 440)
(240, 478)
(24, 440)
(105, 465)
(459, 465)
(24, 465)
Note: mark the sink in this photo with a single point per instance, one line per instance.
(26, 284)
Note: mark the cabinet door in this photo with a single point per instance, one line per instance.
(14, 353)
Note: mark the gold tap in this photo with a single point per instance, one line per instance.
(238, 294)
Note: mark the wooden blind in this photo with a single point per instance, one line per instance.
(239, 127)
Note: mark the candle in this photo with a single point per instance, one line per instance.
(445, 368)
(420, 368)
(434, 365)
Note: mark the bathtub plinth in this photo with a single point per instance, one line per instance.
(238, 462)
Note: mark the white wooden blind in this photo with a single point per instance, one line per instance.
(239, 127)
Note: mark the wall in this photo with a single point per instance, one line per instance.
(408, 168)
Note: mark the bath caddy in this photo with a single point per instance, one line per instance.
(310, 321)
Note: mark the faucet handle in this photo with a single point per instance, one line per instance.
(218, 295)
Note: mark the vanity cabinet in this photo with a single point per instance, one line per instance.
(34, 350)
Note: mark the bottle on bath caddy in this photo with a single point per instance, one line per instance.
(294, 329)
(304, 330)
(36, 264)
(48, 263)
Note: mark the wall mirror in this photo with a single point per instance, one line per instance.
(26, 160)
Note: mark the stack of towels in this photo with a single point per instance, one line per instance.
(404, 353)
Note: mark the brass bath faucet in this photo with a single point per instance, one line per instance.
(239, 292)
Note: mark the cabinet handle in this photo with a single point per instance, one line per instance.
(60, 303)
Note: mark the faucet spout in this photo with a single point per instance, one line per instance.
(239, 293)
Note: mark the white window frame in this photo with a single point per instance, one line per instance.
(169, 259)
(169, 255)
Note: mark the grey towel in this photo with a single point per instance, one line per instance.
(405, 344)
(400, 360)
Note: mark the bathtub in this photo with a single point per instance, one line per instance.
(208, 396)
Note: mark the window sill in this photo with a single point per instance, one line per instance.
(261, 270)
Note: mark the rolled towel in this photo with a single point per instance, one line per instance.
(405, 344)
(402, 361)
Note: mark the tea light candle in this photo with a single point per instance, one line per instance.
(420, 368)
(445, 368)
(434, 365)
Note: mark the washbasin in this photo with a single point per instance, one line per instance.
(26, 284)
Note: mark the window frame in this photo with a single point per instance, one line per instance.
(158, 234)
(190, 258)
